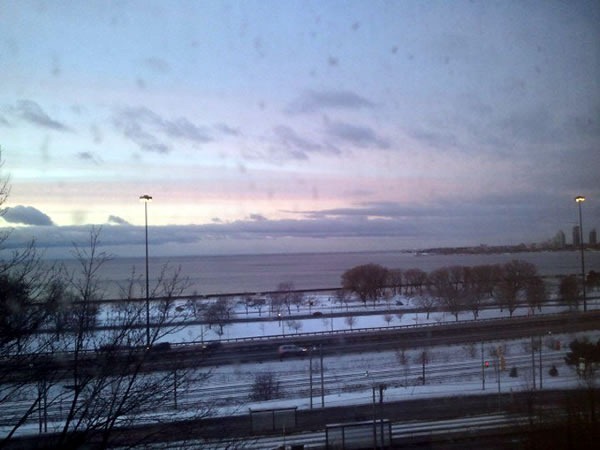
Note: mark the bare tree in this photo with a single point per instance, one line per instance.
(569, 289)
(265, 387)
(423, 358)
(484, 278)
(196, 306)
(295, 325)
(350, 321)
(219, 313)
(388, 318)
(103, 378)
(414, 280)
(259, 303)
(478, 285)
(311, 301)
(286, 296)
(29, 289)
(367, 281)
(404, 361)
(535, 293)
(4, 186)
(443, 286)
(592, 280)
(511, 288)
(395, 280)
(456, 276)
(427, 303)
(343, 297)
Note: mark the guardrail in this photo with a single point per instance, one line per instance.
(539, 318)
(396, 328)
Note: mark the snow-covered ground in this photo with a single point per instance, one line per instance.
(350, 379)
(288, 325)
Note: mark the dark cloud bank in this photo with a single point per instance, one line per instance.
(26, 215)
(494, 221)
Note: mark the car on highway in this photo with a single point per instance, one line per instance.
(211, 346)
(291, 350)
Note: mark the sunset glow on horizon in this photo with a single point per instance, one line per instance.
(419, 123)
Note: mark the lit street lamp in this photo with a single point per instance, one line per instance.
(146, 198)
(580, 199)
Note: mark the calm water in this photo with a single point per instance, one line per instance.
(258, 273)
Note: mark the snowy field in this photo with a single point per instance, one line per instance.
(350, 379)
(289, 326)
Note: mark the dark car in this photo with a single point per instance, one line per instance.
(211, 346)
(106, 348)
(160, 347)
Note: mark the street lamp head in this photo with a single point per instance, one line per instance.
(145, 198)
(580, 198)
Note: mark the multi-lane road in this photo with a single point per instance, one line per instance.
(346, 342)
(333, 346)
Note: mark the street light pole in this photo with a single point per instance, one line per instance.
(147, 198)
(580, 199)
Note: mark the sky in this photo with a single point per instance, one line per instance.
(270, 126)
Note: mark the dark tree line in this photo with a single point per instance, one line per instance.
(460, 288)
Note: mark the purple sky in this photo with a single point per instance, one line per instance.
(267, 126)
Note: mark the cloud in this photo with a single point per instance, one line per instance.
(314, 101)
(151, 132)
(360, 136)
(257, 217)
(31, 112)
(157, 65)
(133, 130)
(88, 156)
(96, 133)
(536, 125)
(290, 145)
(116, 220)
(434, 138)
(227, 130)
(497, 219)
(26, 215)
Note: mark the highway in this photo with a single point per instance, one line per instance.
(385, 370)
(342, 342)
(336, 382)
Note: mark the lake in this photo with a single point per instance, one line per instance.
(259, 273)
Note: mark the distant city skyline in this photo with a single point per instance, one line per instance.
(268, 126)
(560, 239)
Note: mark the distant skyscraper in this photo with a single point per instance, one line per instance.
(593, 237)
(559, 240)
(576, 236)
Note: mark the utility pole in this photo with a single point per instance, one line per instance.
(311, 376)
(482, 369)
(322, 379)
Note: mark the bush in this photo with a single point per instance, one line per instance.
(265, 387)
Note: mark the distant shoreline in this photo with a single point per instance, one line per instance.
(496, 249)
(465, 250)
